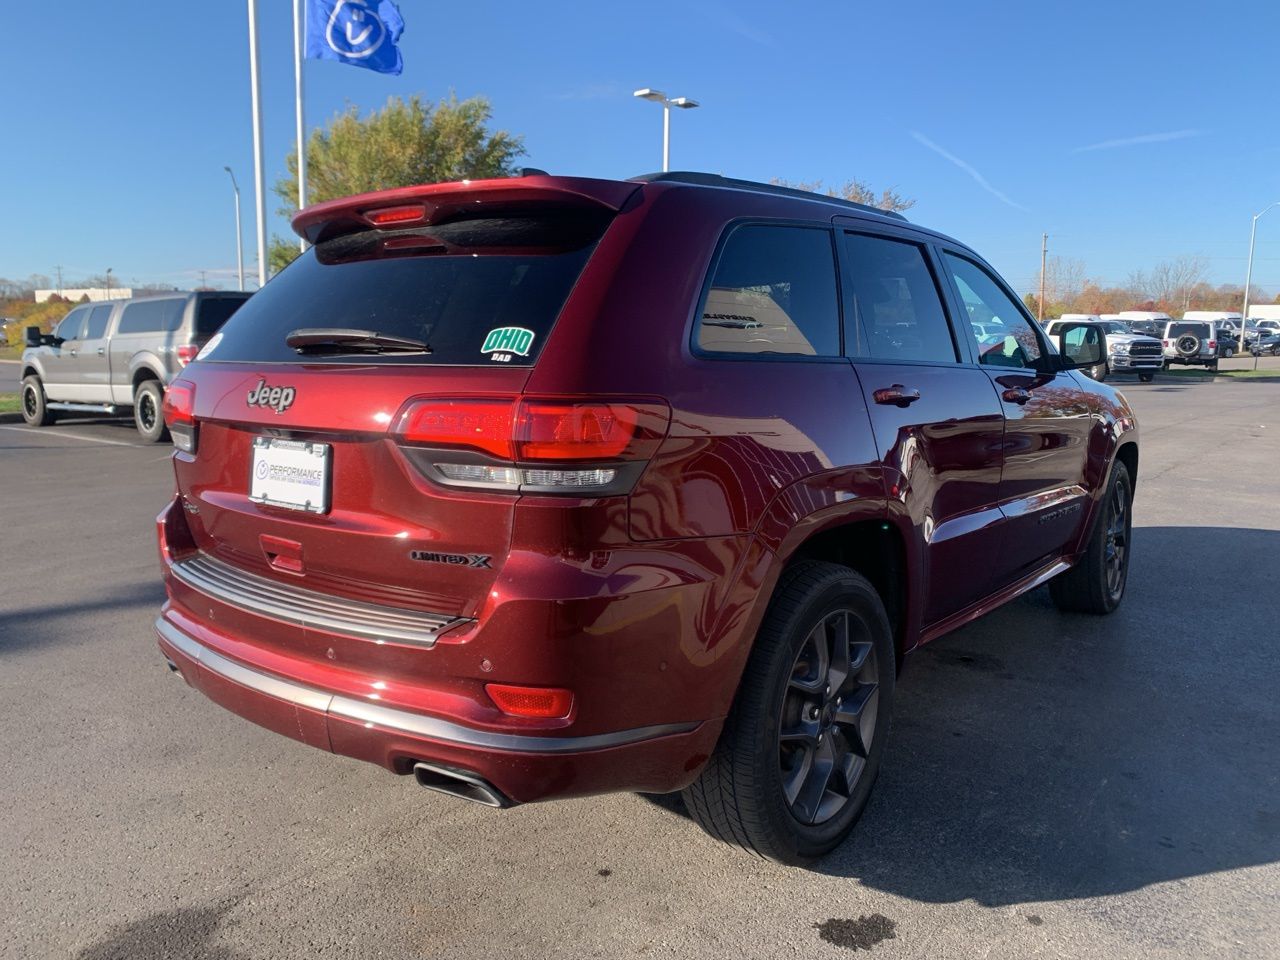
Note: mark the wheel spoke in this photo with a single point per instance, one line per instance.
(841, 665)
(813, 664)
(857, 718)
(794, 779)
(808, 801)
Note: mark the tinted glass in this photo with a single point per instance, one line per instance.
(475, 291)
(152, 316)
(1195, 329)
(98, 322)
(985, 302)
(773, 292)
(213, 312)
(72, 324)
(893, 304)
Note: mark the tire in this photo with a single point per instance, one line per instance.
(148, 400)
(35, 406)
(1212, 365)
(1146, 377)
(761, 789)
(1096, 583)
(1165, 365)
(1228, 353)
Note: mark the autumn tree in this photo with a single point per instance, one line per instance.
(855, 190)
(404, 143)
(1170, 284)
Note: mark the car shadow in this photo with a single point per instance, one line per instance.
(35, 626)
(1040, 756)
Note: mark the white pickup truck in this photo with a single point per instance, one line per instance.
(1126, 352)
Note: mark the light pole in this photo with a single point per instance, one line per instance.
(1248, 276)
(657, 96)
(108, 283)
(239, 241)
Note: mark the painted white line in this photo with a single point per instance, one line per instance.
(70, 436)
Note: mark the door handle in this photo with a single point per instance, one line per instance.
(102, 351)
(1018, 395)
(896, 395)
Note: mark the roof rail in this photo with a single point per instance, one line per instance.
(715, 180)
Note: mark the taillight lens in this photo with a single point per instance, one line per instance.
(1213, 344)
(179, 414)
(186, 352)
(563, 434)
(542, 703)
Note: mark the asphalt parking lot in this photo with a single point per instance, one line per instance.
(1056, 785)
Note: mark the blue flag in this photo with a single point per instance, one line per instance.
(362, 33)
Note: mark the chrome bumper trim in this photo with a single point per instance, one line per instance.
(309, 608)
(418, 724)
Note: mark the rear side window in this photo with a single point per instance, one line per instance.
(152, 316)
(72, 324)
(773, 292)
(213, 312)
(476, 291)
(98, 322)
(893, 302)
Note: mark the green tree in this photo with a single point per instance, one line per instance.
(855, 190)
(404, 143)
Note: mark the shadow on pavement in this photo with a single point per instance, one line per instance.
(37, 626)
(1046, 756)
(186, 932)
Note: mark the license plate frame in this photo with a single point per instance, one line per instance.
(293, 474)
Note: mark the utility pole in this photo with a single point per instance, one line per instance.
(1044, 250)
(202, 283)
(58, 271)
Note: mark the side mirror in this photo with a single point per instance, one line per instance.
(1081, 345)
(33, 336)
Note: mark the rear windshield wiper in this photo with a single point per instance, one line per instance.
(340, 340)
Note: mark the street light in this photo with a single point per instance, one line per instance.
(657, 96)
(108, 283)
(239, 242)
(1248, 277)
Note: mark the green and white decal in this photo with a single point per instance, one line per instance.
(515, 340)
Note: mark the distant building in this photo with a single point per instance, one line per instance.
(76, 294)
(1264, 311)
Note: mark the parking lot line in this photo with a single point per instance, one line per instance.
(70, 436)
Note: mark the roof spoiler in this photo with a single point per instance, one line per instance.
(437, 202)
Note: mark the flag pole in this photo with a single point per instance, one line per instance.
(299, 40)
(258, 182)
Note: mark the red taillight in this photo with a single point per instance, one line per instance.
(393, 216)
(179, 414)
(539, 430)
(1213, 344)
(542, 703)
(478, 424)
(186, 352)
(550, 430)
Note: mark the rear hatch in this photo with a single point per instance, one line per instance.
(298, 473)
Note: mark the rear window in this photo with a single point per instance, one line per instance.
(213, 312)
(1196, 329)
(476, 291)
(152, 316)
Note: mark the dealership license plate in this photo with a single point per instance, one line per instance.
(290, 473)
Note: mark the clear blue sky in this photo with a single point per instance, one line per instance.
(1130, 132)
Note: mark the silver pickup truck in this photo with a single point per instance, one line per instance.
(107, 357)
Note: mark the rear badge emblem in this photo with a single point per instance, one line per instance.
(504, 341)
(277, 398)
(475, 560)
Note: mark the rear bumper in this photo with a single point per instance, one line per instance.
(523, 766)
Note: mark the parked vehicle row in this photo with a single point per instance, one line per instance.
(546, 486)
(119, 355)
(1127, 352)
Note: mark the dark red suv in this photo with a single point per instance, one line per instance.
(548, 486)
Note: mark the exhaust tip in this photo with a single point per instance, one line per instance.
(459, 783)
(173, 667)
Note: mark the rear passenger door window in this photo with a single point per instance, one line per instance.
(97, 326)
(1007, 337)
(893, 310)
(773, 292)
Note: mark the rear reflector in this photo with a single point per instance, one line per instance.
(394, 216)
(179, 414)
(543, 703)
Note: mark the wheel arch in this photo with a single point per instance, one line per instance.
(141, 375)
